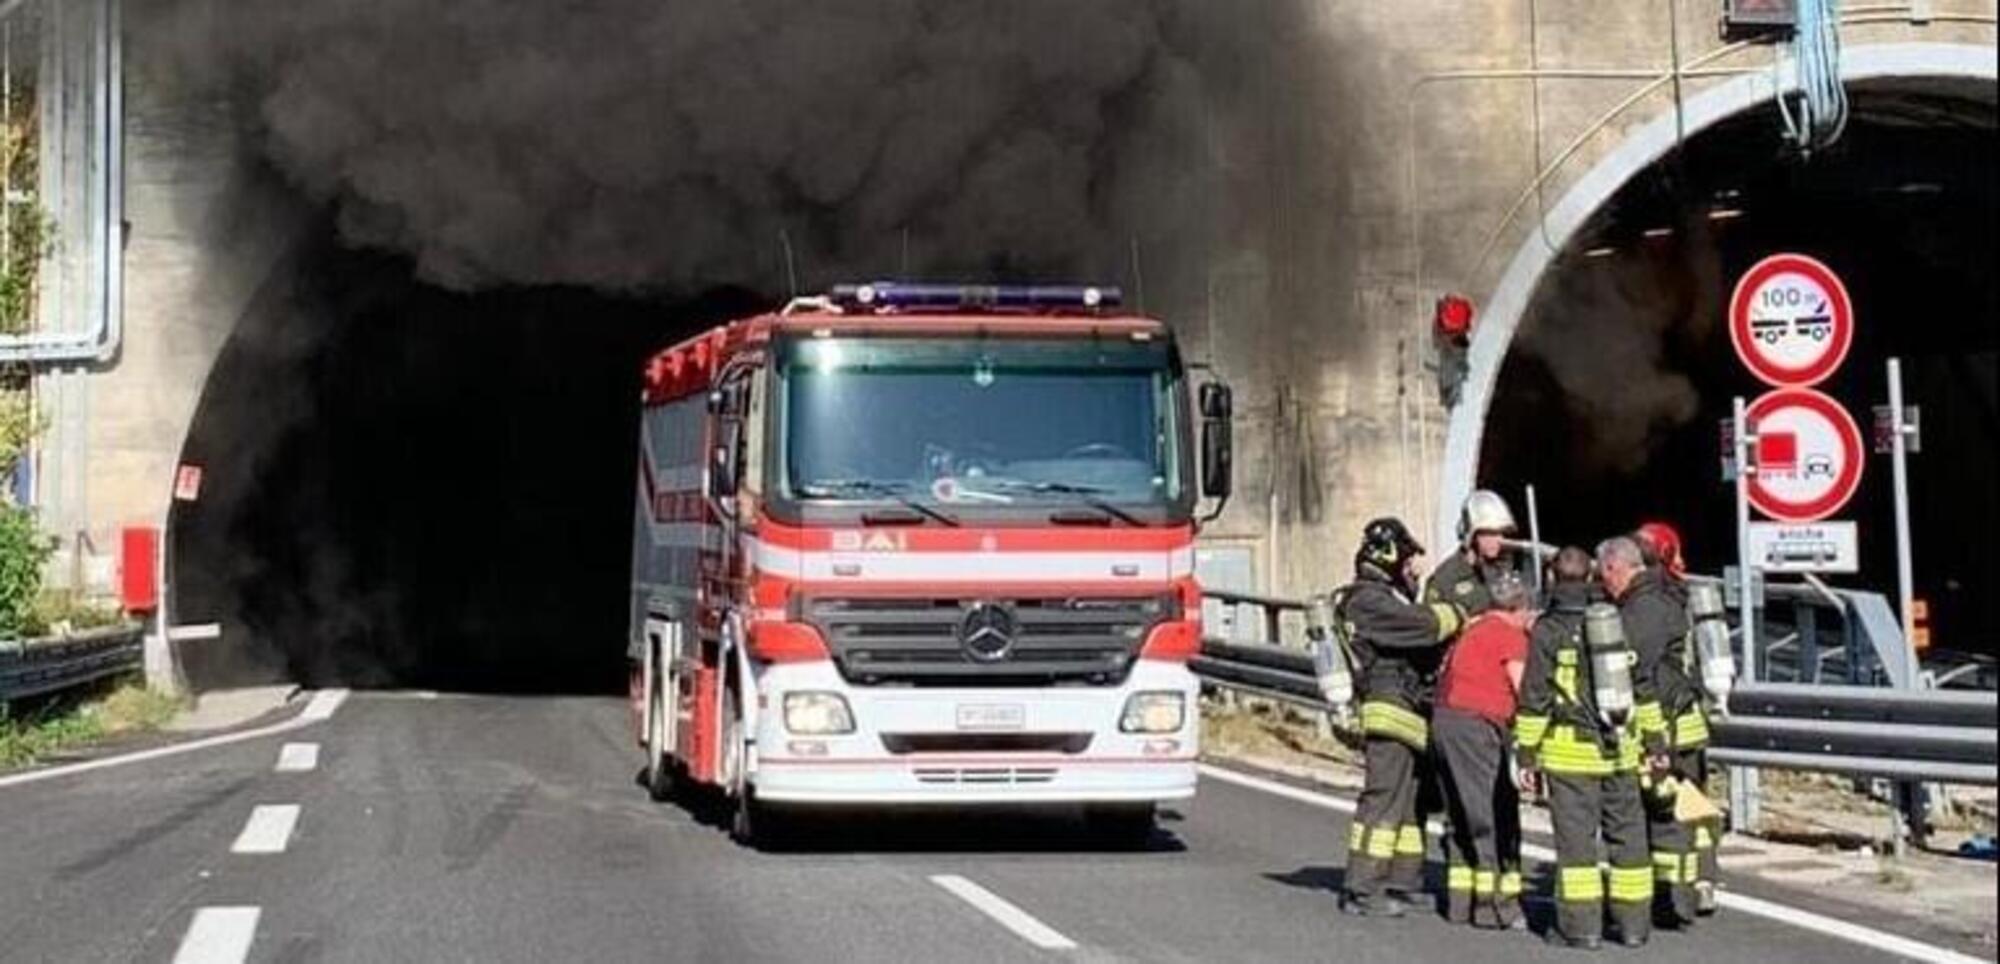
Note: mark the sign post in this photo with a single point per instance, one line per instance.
(1899, 432)
(1743, 780)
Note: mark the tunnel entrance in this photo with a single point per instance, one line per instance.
(1610, 395)
(407, 486)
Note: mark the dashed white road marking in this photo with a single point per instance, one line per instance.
(319, 710)
(268, 830)
(219, 935)
(1807, 920)
(1011, 917)
(298, 757)
(323, 705)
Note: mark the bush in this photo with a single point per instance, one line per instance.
(23, 551)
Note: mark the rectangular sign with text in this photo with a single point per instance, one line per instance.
(1813, 547)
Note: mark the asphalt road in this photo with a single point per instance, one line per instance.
(511, 829)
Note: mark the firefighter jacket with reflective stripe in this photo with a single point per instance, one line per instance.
(1656, 627)
(1557, 726)
(1462, 582)
(1399, 645)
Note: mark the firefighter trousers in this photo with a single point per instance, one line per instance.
(1588, 811)
(1483, 847)
(1683, 853)
(1384, 826)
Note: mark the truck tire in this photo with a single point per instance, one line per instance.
(662, 773)
(1125, 826)
(743, 807)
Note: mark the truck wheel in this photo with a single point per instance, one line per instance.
(743, 822)
(1127, 826)
(662, 777)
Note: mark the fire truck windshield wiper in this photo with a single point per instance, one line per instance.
(893, 491)
(1089, 495)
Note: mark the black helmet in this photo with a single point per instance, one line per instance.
(1387, 544)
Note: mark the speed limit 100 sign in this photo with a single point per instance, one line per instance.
(1791, 321)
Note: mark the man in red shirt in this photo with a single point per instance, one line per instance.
(1471, 731)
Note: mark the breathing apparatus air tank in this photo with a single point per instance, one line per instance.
(1330, 665)
(1711, 642)
(1610, 663)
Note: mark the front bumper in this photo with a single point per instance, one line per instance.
(860, 769)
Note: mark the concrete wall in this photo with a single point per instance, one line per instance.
(204, 228)
(1375, 182)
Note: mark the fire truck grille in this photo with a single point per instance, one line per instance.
(1004, 642)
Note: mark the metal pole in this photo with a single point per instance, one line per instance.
(1743, 780)
(1908, 794)
(1898, 455)
(1535, 536)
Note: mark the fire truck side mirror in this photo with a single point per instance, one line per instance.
(1217, 441)
(722, 468)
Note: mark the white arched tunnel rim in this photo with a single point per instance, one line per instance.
(1510, 299)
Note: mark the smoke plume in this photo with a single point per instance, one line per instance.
(1606, 329)
(670, 144)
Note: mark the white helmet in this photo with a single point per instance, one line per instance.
(1485, 511)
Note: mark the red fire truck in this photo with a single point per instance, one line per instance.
(923, 544)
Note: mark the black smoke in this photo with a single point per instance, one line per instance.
(678, 144)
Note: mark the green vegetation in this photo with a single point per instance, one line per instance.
(130, 708)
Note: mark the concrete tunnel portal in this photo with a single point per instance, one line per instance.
(1608, 398)
(409, 486)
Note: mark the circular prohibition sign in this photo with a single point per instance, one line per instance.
(1791, 321)
(1809, 455)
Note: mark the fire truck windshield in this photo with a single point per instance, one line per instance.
(996, 428)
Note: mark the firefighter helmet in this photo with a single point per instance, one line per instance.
(1661, 544)
(1387, 544)
(1484, 511)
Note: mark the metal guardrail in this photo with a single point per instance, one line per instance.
(41, 667)
(1930, 735)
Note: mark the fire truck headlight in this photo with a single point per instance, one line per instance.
(818, 713)
(1154, 712)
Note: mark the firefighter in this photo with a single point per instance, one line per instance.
(1464, 578)
(1586, 761)
(1660, 545)
(1398, 643)
(1470, 735)
(1657, 628)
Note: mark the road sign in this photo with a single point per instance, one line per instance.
(1885, 430)
(1808, 547)
(187, 483)
(1791, 321)
(1809, 455)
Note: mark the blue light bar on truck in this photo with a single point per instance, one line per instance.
(894, 295)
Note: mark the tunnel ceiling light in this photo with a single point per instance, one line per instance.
(1659, 232)
(1921, 187)
(1725, 214)
(1600, 252)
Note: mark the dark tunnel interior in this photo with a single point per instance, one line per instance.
(1901, 209)
(407, 486)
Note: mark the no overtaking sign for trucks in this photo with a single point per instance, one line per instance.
(1808, 455)
(1791, 321)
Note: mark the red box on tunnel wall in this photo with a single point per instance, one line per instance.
(138, 569)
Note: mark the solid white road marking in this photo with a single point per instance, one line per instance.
(316, 711)
(1011, 917)
(298, 757)
(219, 935)
(1854, 933)
(268, 830)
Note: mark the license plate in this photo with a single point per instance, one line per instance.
(992, 716)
